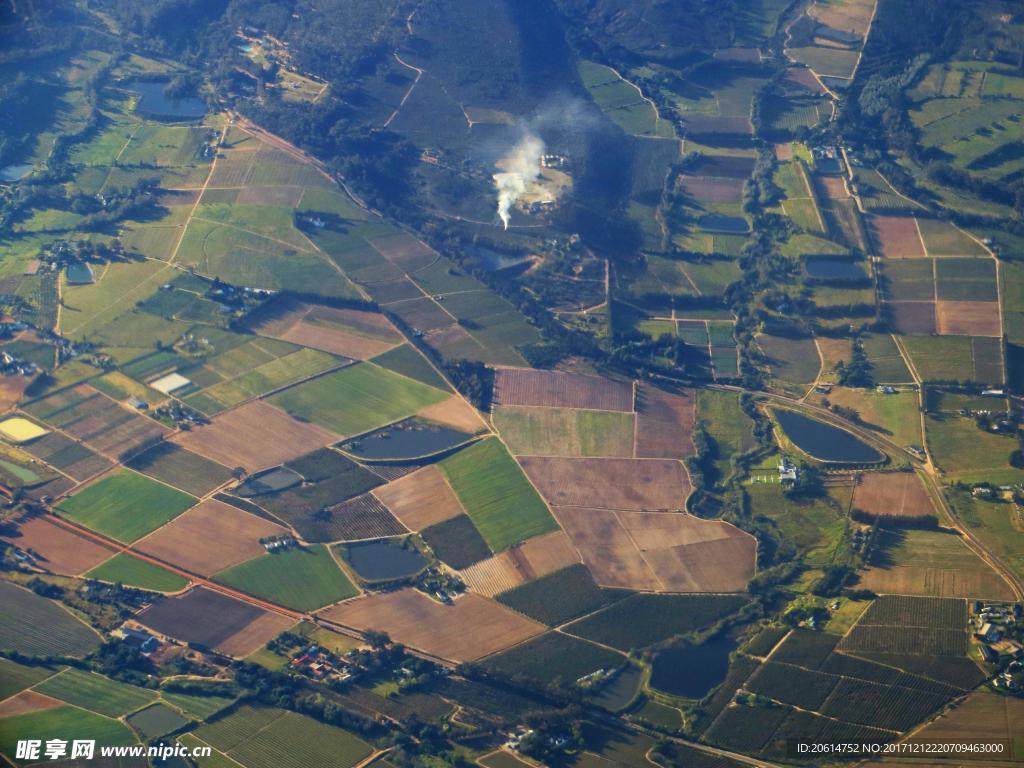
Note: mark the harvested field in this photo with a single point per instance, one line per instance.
(210, 537)
(241, 437)
(54, 547)
(214, 620)
(664, 423)
(347, 332)
(968, 318)
(982, 717)
(526, 386)
(633, 484)
(912, 317)
(412, 618)
(662, 552)
(533, 559)
(895, 237)
(714, 190)
(783, 152)
(456, 413)
(420, 499)
(892, 494)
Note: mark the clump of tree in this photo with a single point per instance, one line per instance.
(856, 372)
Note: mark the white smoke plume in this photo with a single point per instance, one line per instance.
(520, 168)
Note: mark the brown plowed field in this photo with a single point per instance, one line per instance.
(469, 629)
(912, 316)
(534, 558)
(633, 484)
(712, 189)
(664, 423)
(662, 552)
(895, 237)
(783, 152)
(255, 436)
(833, 187)
(59, 550)
(556, 389)
(968, 318)
(421, 499)
(346, 332)
(455, 413)
(210, 537)
(892, 494)
(28, 701)
(214, 620)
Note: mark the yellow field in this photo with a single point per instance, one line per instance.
(19, 430)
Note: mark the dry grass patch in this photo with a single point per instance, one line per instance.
(421, 499)
(346, 332)
(456, 413)
(469, 629)
(892, 494)
(210, 537)
(26, 702)
(255, 436)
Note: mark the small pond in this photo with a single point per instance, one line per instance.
(384, 560)
(80, 274)
(825, 442)
(271, 481)
(152, 101)
(717, 222)
(691, 671)
(15, 172)
(621, 690)
(825, 268)
(408, 439)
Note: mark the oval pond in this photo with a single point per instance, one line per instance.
(825, 442)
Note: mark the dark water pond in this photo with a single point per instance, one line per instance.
(621, 690)
(692, 671)
(152, 101)
(717, 222)
(271, 481)
(15, 172)
(382, 560)
(823, 441)
(408, 439)
(825, 268)
(80, 274)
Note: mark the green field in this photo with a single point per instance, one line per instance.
(96, 693)
(564, 431)
(642, 620)
(125, 505)
(183, 469)
(887, 363)
(67, 723)
(133, 572)
(303, 579)
(961, 449)
(36, 626)
(156, 721)
(496, 495)
(17, 677)
(406, 360)
(897, 415)
(560, 596)
(729, 428)
(357, 399)
(195, 705)
(554, 657)
(813, 525)
(273, 738)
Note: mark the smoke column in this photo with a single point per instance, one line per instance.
(521, 168)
